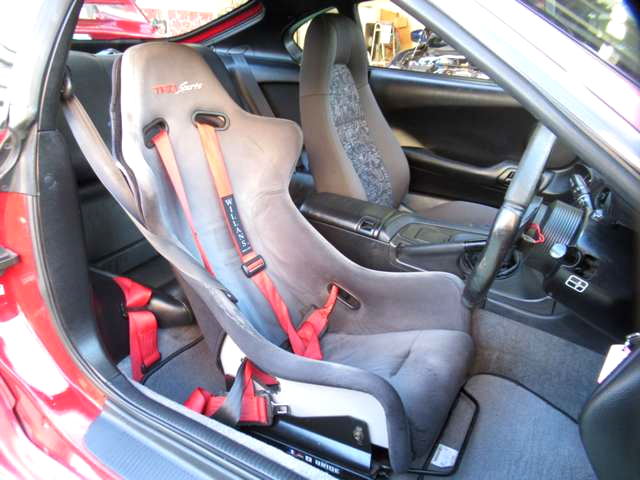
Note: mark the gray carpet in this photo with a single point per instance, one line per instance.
(192, 368)
(517, 435)
(179, 372)
(559, 371)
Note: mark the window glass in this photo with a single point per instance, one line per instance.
(608, 27)
(301, 32)
(395, 39)
(111, 19)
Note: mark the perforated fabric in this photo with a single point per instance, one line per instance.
(355, 137)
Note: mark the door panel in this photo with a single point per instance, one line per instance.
(435, 175)
(462, 138)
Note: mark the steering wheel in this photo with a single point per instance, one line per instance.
(506, 225)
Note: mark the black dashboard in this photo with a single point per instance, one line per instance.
(585, 251)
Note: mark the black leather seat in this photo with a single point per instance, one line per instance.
(352, 150)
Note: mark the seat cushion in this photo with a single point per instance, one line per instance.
(426, 367)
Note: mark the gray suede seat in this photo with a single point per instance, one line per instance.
(407, 347)
(352, 150)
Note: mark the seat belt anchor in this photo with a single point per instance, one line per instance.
(253, 266)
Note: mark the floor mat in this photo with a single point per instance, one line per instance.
(186, 363)
(559, 371)
(519, 435)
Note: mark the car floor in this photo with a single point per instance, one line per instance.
(186, 363)
(530, 387)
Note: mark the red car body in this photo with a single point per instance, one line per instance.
(47, 403)
(110, 26)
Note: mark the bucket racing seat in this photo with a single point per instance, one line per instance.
(207, 184)
(352, 150)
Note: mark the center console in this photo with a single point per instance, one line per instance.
(387, 239)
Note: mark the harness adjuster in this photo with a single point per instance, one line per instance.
(253, 266)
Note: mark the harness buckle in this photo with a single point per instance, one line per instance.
(253, 266)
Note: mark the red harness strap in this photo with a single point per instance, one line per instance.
(143, 327)
(163, 145)
(315, 324)
(255, 408)
(304, 342)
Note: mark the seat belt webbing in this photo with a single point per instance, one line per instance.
(143, 327)
(248, 86)
(304, 342)
(253, 264)
(253, 408)
(163, 146)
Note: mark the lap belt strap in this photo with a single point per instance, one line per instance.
(304, 342)
(242, 404)
(143, 327)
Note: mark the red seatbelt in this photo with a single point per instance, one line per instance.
(304, 342)
(163, 145)
(255, 409)
(315, 324)
(143, 327)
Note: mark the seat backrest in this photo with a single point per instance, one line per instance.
(352, 150)
(193, 87)
(112, 241)
(260, 154)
